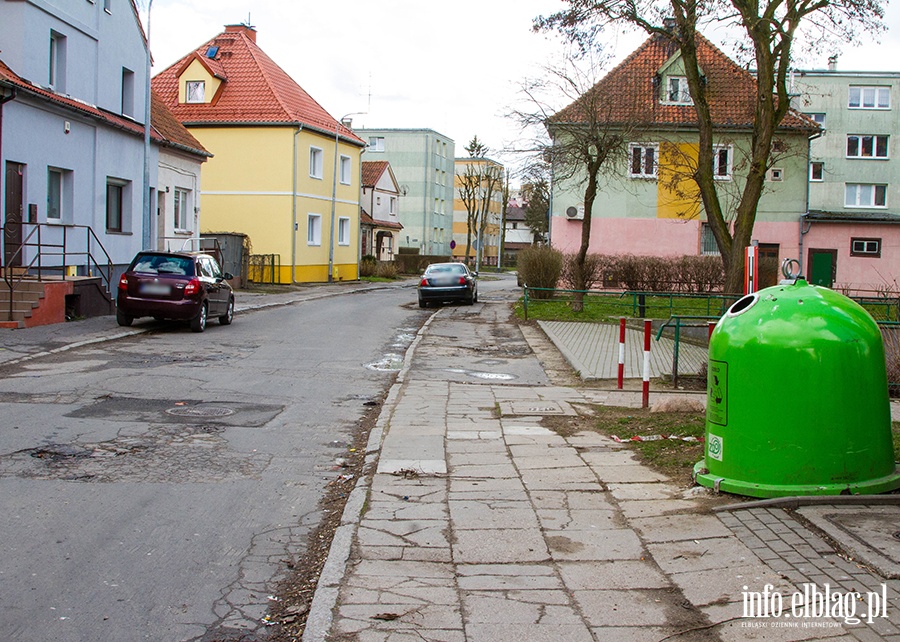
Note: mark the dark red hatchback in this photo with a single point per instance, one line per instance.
(182, 286)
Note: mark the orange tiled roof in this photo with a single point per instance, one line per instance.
(631, 93)
(255, 89)
(159, 131)
(372, 171)
(174, 132)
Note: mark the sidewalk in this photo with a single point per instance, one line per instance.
(479, 524)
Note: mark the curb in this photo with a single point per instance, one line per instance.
(321, 611)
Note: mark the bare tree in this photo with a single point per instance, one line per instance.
(536, 203)
(585, 143)
(478, 185)
(772, 28)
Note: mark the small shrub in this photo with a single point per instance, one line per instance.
(368, 265)
(540, 267)
(591, 272)
(891, 336)
(387, 270)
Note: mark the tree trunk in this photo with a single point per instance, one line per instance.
(578, 273)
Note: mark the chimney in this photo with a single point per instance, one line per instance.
(832, 63)
(247, 30)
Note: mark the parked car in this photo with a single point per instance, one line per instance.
(444, 282)
(182, 286)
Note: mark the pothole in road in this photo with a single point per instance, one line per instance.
(388, 363)
(200, 411)
(490, 376)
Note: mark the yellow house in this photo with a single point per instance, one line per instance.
(479, 187)
(284, 171)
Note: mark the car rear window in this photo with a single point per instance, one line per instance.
(446, 269)
(163, 264)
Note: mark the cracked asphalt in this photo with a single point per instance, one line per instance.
(158, 484)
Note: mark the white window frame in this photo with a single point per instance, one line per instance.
(393, 205)
(314, 229)
(683, 91)
(181, 208)
(812, 174)
(346, 169)
(376, 144)
(191, 94)
(644, 148)
(858, 97)
(316, 162)
(776, 174)
(858, 142)
(717, 149)
(343, 230)
(865, 195)
(56, 73)
(865, 247)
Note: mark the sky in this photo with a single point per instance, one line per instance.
(454, 67)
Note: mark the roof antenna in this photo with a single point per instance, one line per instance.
(249, 24)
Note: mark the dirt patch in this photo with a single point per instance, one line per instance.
(288, 614)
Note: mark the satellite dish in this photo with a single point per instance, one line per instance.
(404, 189)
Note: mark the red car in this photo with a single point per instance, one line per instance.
(183, 286)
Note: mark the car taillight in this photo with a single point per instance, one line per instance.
(424, 283)
(123, 283)
(193, 287)
(462, 280)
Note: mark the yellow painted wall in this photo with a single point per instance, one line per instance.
(681, 199)
(196, 71)
(247, 187)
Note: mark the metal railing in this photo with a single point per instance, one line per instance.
(51, 257)
(264, 268)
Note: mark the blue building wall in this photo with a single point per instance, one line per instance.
(42, 134)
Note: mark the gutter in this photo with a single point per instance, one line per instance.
(803, 233)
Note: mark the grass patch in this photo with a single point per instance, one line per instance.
(671, 457)
(895, 429)
(610, 307)
(377, 279)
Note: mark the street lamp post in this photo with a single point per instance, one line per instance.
(337, 130)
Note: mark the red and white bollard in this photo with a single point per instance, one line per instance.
(645, 393)
(621, 353)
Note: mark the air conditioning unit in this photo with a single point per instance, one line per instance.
(575, 213)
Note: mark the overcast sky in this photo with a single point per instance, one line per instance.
(455, 67)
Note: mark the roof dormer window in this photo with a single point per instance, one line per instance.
(195, 91)
(677, 92)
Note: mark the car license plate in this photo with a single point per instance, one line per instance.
(156, 289)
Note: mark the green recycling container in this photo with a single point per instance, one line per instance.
(797, 398)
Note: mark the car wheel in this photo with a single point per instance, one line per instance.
(422, 304)
(123, 319)
(475, 296)
(198, 323)
(226, 318)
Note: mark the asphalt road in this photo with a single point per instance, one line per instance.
(155, 487)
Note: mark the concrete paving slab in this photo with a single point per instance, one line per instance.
(506, 577)
(678, 527)
(596, 545)
(705, 554)
(618, 574)
(499, 546)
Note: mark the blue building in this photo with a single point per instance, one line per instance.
(78, 183)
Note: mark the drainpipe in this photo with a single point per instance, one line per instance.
(802, 216)
(425, 208)
(359, 230)
(294, 211)
(147, 236)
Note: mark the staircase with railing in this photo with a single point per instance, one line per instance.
(51, 273)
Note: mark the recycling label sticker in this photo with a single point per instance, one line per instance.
(717, 393)
(714, 447)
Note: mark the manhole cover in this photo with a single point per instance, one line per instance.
(199, 411)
